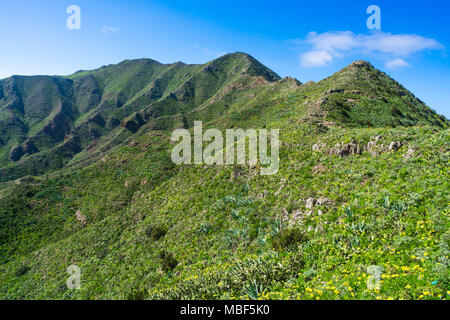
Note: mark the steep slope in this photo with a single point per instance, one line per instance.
(360, 95)
(46, 121)
(346, 197)
(35, 113)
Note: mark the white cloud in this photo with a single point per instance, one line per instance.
(397, 63)
(325, 47)
(109, 29)
(316, 59)
(332, 42)
(399, 45)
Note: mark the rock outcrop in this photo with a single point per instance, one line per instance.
(310, 205)
(343, 150)
(80, 217)
(16, 153)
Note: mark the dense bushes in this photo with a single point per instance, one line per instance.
(288, 238)
(22, 270)
(168, 260)
(246, 278)
(155, 232)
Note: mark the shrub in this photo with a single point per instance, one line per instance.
(155, 232)
(102, 252)
(137, 294)
(259, 273)
(168, 260)
(253, 290)
(288, 238)
(23, 269)
(204, 229)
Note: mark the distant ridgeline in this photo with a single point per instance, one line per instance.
(47, 122)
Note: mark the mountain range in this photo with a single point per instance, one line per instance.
(46, 122)
(86, 179)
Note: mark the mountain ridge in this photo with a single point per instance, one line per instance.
(362, 182)
(42, 116)
(132, 84)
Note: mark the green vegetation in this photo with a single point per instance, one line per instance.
(363, 181)
(156, 233)
(288, 238)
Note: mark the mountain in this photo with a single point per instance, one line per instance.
(88, 181)
(45, 121)
(363, 96)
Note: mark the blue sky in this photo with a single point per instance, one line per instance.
(308, 40)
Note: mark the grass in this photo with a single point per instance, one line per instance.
(159, 231)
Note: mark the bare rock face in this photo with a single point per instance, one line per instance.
(361, 63)
(410, 153)
(292, 82)
(395, 146)
(373, 147)
(296, 216)
(318, 169)
(310, 203)
(345, 150)
(324, 202)
(373, 142)
(16, 153)
(318, 147)
(259, 81)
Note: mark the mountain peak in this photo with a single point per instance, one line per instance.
(361, 63)
(362, 95)
(250, 65)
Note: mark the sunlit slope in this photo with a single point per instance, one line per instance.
(46, 121)
(348, 195)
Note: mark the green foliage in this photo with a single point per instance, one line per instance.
(22, 270)
(55, 118)
(234, 281)
(169, 262)
(158, 231)
(288, 238)
(253, 290)
(137, 294)
(155, 232)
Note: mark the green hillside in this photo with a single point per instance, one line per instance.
(46, 121)
(363, 181)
